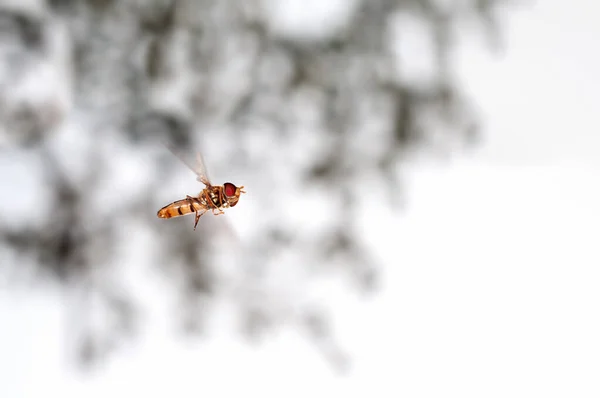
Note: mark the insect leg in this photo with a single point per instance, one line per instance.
(191, 201)
(198, 215)
(222, 201)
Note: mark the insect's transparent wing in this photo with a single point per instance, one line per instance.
(200, 170)
(197, 165)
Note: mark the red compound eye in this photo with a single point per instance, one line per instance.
(229, 189)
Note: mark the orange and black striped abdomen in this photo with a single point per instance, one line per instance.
(180, 208)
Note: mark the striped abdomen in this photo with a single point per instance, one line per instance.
(180, 208)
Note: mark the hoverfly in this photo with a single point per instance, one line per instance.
(212, 197)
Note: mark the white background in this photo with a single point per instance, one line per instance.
(490, 284)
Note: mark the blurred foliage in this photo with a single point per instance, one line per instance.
(201, 72)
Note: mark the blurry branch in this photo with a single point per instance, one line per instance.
(61, 242)
(73, 251)
(170, 68)
(25, 28)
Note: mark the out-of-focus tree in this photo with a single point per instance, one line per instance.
(297, 103)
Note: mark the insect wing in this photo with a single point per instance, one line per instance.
(197, 166)
(200, 170)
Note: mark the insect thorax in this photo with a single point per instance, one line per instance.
(215, 197)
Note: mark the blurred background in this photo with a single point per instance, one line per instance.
(422, 215)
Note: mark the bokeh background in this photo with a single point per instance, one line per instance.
(422, 215)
